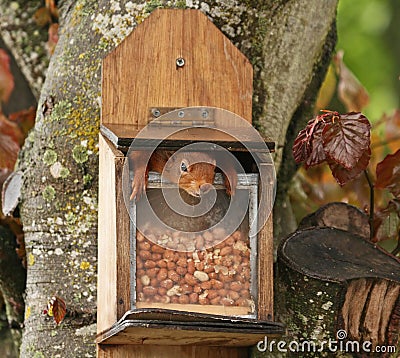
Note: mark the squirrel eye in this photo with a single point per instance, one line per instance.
(184, 167)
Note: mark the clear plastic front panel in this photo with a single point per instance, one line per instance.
(196, 265)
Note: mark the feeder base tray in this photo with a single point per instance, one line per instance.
(168, 327)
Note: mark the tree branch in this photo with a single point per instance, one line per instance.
(25, 39)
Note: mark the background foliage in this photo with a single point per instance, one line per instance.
(368, 32)
(369, 37)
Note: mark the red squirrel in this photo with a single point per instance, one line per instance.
(194, 172)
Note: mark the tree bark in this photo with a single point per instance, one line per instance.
(289, 44)
(12, 284)
(25, 39)
(338, 286)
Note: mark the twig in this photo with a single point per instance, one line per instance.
(371, 204)
(385, 142)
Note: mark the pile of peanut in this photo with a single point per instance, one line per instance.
(183, 271)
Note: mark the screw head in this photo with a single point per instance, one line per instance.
(180, 62)
(204, 113)
(181, 114)
(155, 112)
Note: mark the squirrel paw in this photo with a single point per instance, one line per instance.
(230, 181)
(139, 184)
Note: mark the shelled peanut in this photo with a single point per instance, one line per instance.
(183, 271)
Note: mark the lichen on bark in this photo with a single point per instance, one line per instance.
(25, 39)
(59, 208)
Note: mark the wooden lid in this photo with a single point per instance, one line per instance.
(178, 128)
(174, 59)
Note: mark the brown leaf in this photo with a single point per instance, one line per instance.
(346, 139)
(57, 308)
(53, 39)
(25, 120)
(351, 92)
(344, 175)
(11, 130)
(8, 152)
(392, 130)
(42, 16)
(386, 221)
(388, 174)
(6, 77)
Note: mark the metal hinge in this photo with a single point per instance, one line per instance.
(182, 117)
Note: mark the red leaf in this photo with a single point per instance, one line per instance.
(57, 308)
(307, 146)
(388, 173)
(346, 139)
(344, 175)
(6, 78)
(317, 155)
(301, 147)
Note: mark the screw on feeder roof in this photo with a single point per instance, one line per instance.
(180, 62)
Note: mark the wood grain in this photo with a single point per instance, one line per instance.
(123, 242)
(113, 239)
(221, 310)
(141, 73)
(106, 277)
(339, 215)
(157, 351)
(183, 337)
(265, 305)
(368, 311)
(336, 255)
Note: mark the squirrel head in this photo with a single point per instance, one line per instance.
(193, 171)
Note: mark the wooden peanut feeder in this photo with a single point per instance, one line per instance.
(160, 292)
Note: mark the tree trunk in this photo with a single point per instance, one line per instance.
(25, 39)
(289, 44)
(338, 286)
(335, 283)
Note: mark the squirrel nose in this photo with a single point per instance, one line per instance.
(205, 188)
